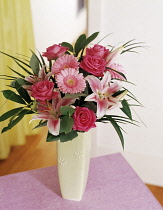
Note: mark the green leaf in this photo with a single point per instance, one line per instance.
(66, 124)
(90, 105)
(66, 44)
(120, 73)
(21, 66)
(9, 94)
(42, 59)
(7, 79)
(133, 44)
(79, 45)
(34, 64)
(82, 42)
(118, 130)
(118, 93)
(16, 72)
(15, 59)
(36, 58)
(104, 38)
(128, 42)
(126, 109)
(41, 124)
(21, 82)
(22, 92)
(134, 98)
(67, 110)
(90, 38)
(69, 136)
(11, 77)
(10, 113)
(50, 137)
(130, 49)
(12, 123)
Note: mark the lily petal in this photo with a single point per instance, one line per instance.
(91, 97)
(106, 79)
(102, 106)
(67, 101)
(114, 87)
(112, 55)
(54, 126)
(41, 117)
(94, 83)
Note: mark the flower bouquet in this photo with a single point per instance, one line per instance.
(73, 90)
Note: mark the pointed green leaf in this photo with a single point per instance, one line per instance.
(66, 44)
(118, 72)
(10, 113)
(14, 122)
(37, 58)
(91, 105)
(16, 72)
(67, 110)
(118, 130)
(133, 97)
(69, 136)
(21, 82)
(50, 137)
(22, 67)
(15, 59)
(118, 93)
(79, 45)
(126, 109)
(3, 75)
(42, 59)
(82, 42)
(34, 64)
(130, 49)
(22, 92)
(66, 124)
(7, 79)
(41, 124)
(9, 94)
(128, 42)
(104, 38)
(90, 38)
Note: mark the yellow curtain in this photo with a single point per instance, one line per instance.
(16, 36)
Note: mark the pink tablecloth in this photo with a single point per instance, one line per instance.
(112, 185)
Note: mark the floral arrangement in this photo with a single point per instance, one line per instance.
(73, 90)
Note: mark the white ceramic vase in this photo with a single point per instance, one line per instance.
(73, 165)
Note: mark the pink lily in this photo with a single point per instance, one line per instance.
(36, 78)
(102, 93)
(113, 54)
(51, 113)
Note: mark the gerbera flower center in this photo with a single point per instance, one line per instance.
(70, 81)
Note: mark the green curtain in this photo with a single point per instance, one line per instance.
(16, 36)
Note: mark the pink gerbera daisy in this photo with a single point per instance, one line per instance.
(65, 61)
(70, 81)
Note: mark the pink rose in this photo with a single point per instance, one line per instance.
(54, 51)
(84, 119)
(43, 90)
(94, 65)
(97, 50)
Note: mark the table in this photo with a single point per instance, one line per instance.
(112, 185)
